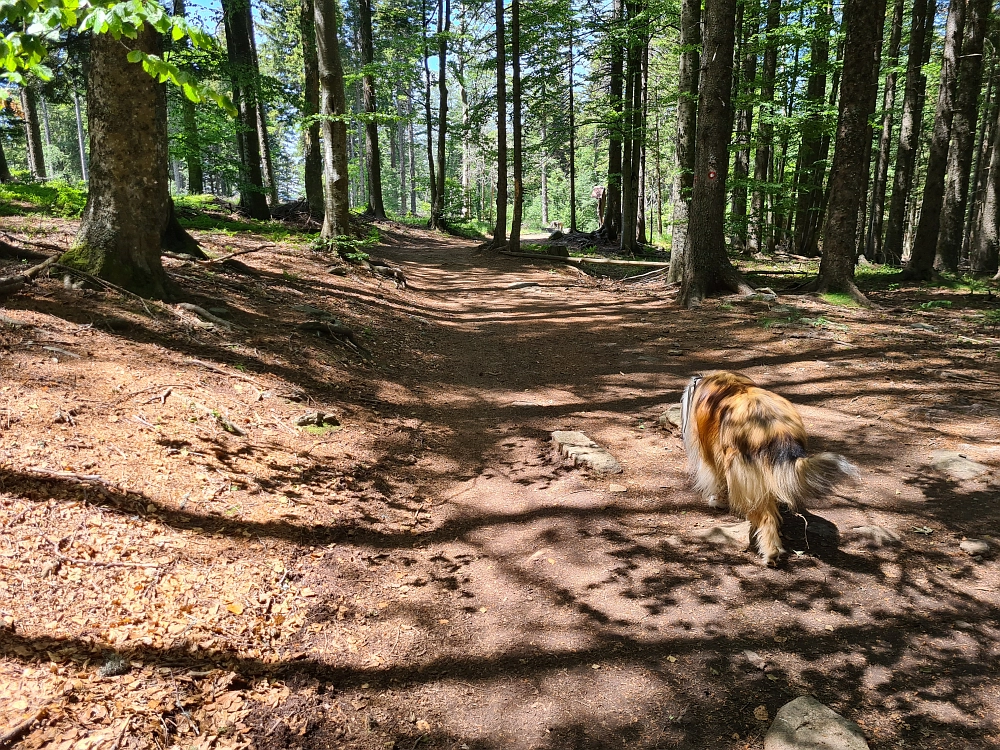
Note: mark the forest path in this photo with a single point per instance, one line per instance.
(432, 574)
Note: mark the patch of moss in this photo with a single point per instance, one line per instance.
(839, 298)
(326, 429)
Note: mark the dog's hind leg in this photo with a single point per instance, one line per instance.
(765, 530)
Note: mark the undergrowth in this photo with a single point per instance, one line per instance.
(54, 197)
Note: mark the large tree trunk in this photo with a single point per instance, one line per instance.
(515, 97)
(572, 135)
(985, 244)
(33, 131)
(744, 122)
(428, 121)
(765, 132)
(444, 28)
(963, 137)
(865, 20)
(5, 175)
(311, 147)
(375, 203)
(687, 116)
(189, 130)
(500, 230)
(260, 115)
(706, 266)
(921, 262)
(632, 140)
(873, 243)
(243, 75)
(128, 218)
(613, 203)
(336, 203)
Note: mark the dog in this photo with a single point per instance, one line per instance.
(746, 450)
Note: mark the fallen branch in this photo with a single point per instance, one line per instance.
(647, 275)
(338, 331)
(71, 476)
(224, 258)
(201, 312)
(224, 423)
(15, 733)
(11, 284)
(221, 371)
(4, 320)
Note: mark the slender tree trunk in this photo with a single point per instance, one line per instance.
(687, 116)
(640, 227)
(431, 171)
(32, 128)
(909, 132)
(413, 154)
(921, 261)
(46, 125)
(963, 137)
(5, 175)
(500, 231)
(631, 140)
(543, 166)
(242, 72)
(613, 204)
(865, 20)
(128, 218)
(312, 147)
(985, 245)
(991, 109)
(873, 243)
(260, 114)
(80, 137)
(375, 203)
(515, 100)
(744, 123)
(189, 129)
(444, 27)
(706, 266)
(765, 131)
(333, 101)
(572, 136)
(466, 145)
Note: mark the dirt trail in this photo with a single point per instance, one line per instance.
(432, 574)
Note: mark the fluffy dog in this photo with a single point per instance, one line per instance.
(746, 449)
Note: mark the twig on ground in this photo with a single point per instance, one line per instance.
(224, 258)
(222, 371)
(4, 320)
(133, 394)
(71, 476)
(338, 331)
(12, 284)
(226, 424)
(648, 274)
(15, 733)
(205, 314)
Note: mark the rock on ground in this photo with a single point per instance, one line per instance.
(956, 466)
(585, 451)
(806, 724)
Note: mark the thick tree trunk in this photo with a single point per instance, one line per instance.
(963, 137)
(687, 116)
(243, 74)
(128, 218)
(920, 266)
(572, 136)
(189, 130)
(428, 120)
(873, 242)
(33, 131)
(444, 28)
(985, 244)
(260, 115)
(865, 20)
(632, 142)
(744, 123)
(333, 107)
(80, 137)
(706, 266)
(375, 203)
(515, 100)
(613, 202)
(5, 175)
(977, 187)
(765, 132)
(909, 132)
(311, 146)
(500, 230)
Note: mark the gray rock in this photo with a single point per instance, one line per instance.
(876, 536)
(317, 419)
(671, 416)
(806, 724)
(523, 284)
(585, 451)
(974, 546)
(731, 535)
(756, 660)
(956, 465)
(922, 327)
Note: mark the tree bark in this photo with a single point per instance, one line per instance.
(189, 129)
(744, 122)
(514, 244)
(333, 109)
(963, 137)
(500, 230)
(444, 27)
(33, 131)
(921, 264)
(80, 137)
(873, 242)
(765, 131)
(706, 266)
(242, 73)
(572, 135)
(375, 203)
(687, 117)
(428, 120)
(865, 20)
(260, 115)
(632, 137)
(5, 175)
(129, 217)
(613, 205)
(985, 245)
(311, 146)
(909, 132)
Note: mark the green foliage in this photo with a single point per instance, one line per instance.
(55, 197)
(350, 248)
(838, 298)
(935, 304)
(473, 229)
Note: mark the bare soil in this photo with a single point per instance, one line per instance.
(430, 573)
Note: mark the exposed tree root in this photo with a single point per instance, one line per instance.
(337, 331)
(12, 284)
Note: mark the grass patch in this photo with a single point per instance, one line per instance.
(55, 197)
(326, 429)
(471, 229)
(935, 304)
(839, 299)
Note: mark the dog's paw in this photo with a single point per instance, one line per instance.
(714, 501)
(773, 558)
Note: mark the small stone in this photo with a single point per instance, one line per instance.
(671, 416)
(974, 546)
(585, 451)
(956, 465)
(523, 285)
(876, 536)
(756, 660)
(618, 488)
(922, 327)
(731, 535)
(806, 724)
(317, 418)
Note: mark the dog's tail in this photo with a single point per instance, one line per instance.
(811, 477)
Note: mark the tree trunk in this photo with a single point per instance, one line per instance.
(632, 139)
(613, 205)
(428, 121)
(444, 27)
(706, 265)
(129, 217)
(413, 154)
(189, 129)
(336, 203)
(572, 136)
(991, 110)
(744, 123)
(33, 131)
(909, 132)
(260, 115)
(865, 20)
(375, 204)
(921, 262)
(963, 137)
(500, 230)
(543, 165)
(312, 148)
(466, 145)
(687, 116)
(985, 245)
(242, 73)
(873, 242)
(5, 175)
(515, 100)
(765, 131)
(80, 138)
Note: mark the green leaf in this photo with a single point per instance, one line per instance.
(135, 56)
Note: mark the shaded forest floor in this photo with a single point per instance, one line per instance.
(429, 573)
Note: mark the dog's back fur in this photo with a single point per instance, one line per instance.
(747, 446)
